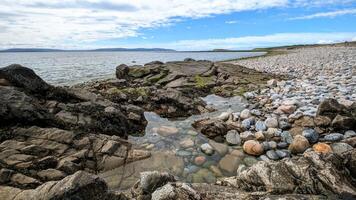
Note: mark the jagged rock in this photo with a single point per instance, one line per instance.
(179, 191)
(122, 71)
(150, 181)
(316, 175)
(211, 128)
(330, 108)
(80, 185)
(343, 122)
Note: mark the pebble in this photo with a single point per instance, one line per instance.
(255, 112)
(233, 137)
(286, 137)
(299, 144)
(334, 137)
(207, 149)
(250, 160)
(222, 149)
(245, 114)
(167, 130)
(349, 134)
(199, 160)
(184, 153)
(271, 122)
(283, 153)
(259, 135)
(282, 145)
(247, 135)
(186, 143)
(311, 135)
(260, 126)
(264, 158)
(247, 123)
(272, 144)
(322, 148)
(271, 154)
(287, 109)
(253, 147)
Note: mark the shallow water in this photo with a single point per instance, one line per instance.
(67, 68)
(176, 152)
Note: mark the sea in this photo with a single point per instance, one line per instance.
(69, 68)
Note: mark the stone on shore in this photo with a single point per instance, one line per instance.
(299, 144)
(253, 147)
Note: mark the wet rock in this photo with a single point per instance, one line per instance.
(186, 143)
(299, 144)
(311, 135)
(222, 149)
(211, 128)
(233, 137)
(150, 181)
(340, 148)
(167, 131)
(229, 164)
(253, 148)
(207, 149)
(322, 148)
(334, 137)
(271, 122)
(199, 160)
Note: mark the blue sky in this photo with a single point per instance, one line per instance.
(176, 24)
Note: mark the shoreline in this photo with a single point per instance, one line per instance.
(289, 126)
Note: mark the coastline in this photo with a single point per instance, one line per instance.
(288, 125)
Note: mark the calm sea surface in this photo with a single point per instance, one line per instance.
(66, 68)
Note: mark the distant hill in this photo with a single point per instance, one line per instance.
(100, 50)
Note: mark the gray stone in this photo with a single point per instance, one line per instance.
(233, 137)
(340, 148)
(152, 180)
(334, 137)
(311, 135)
(271, 154)
(349, 134)
(260, 126)
(271, 122)
(286, 137)
(207, 149)
(283, 153)
(245, 114)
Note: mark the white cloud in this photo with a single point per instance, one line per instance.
(249, 42)
(318, 3)
(68, 23)
(232, 22)
(327, 14)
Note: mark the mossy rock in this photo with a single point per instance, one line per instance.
(155, 78)
(202, 82)
(139, 72)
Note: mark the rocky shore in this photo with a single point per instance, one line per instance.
(292, 136)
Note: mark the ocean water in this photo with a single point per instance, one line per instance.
(67, 68)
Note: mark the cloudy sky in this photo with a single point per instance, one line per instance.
(176, 24)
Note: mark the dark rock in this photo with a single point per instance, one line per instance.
(211, 128)
(343, 122)
(150, 181)
(311, 135)
(330, 108)
(122, 71)
(334, 137)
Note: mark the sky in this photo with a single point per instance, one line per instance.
(174, 24)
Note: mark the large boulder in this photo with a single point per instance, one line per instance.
(80, 185)
(311, 174)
